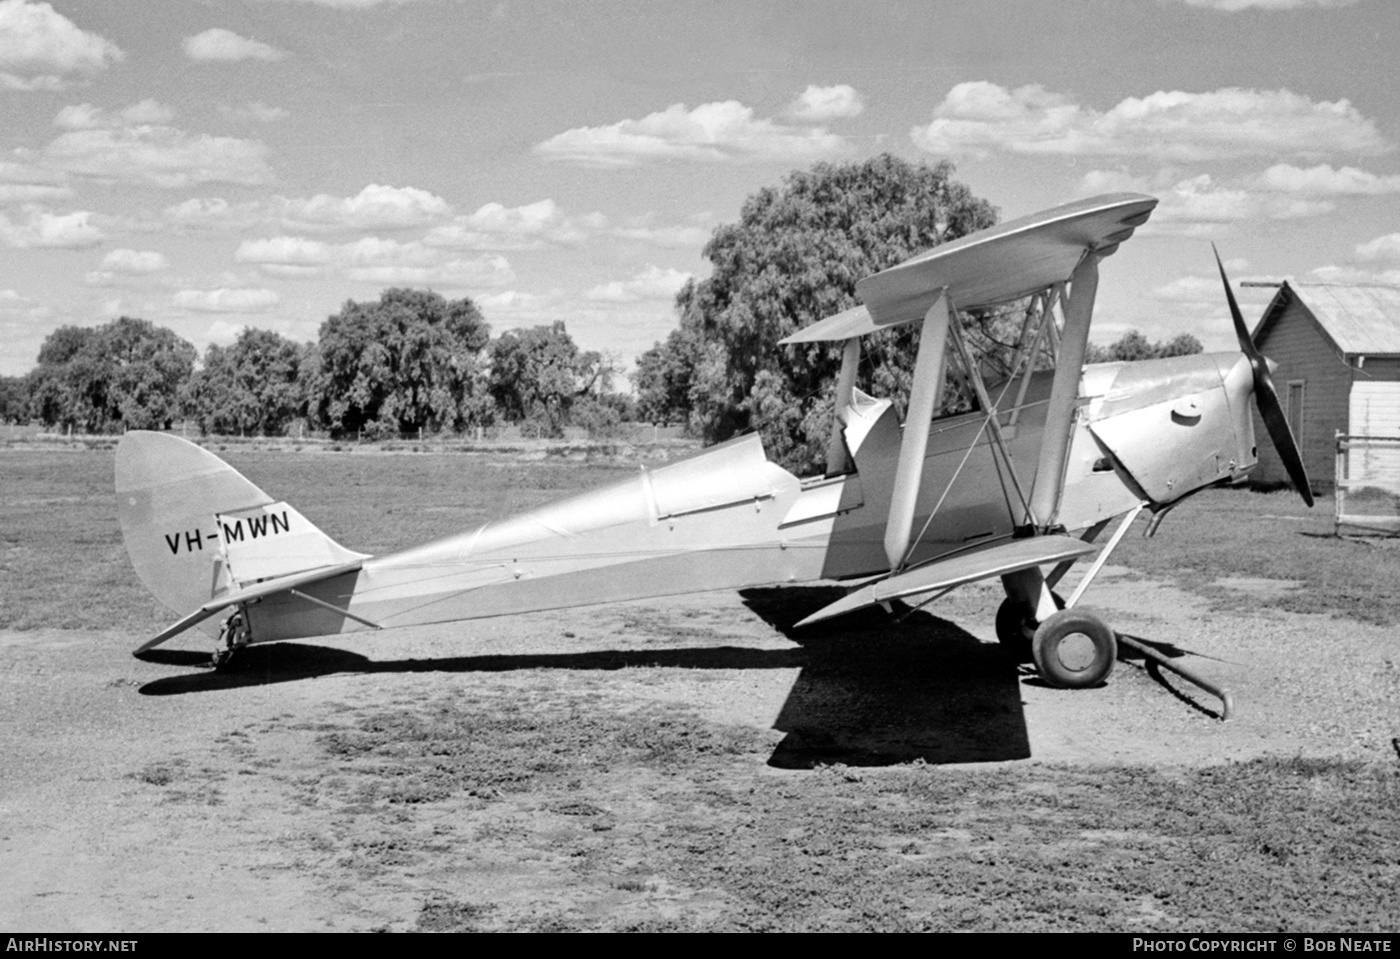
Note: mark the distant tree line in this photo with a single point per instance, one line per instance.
(412, 361)
(415, 361)
(1135, 346)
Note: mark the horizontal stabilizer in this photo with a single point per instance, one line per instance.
(969, 567)
(274, 539)
(266, 588)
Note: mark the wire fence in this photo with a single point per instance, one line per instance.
(627, 440)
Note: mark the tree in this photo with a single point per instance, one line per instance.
(125, 374)
(665, 376)
(14, 399)
(1134, 346)
(793, 258)
(406, 363)
(256, 385)
(538, 374)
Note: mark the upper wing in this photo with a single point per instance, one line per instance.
(1003, 263)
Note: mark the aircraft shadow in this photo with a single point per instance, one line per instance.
(286, 662)
(876, 692)
(871, 692)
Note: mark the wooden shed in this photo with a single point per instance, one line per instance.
(1338, 354)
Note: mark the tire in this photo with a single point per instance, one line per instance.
(1016, 627)
(1074, 649)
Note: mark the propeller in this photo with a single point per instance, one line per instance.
(1266, 397)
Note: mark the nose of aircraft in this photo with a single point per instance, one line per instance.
(1265, 397)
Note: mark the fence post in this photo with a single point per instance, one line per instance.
(1339, 484)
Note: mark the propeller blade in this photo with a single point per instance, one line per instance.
(1266, 397)
(1247, 346)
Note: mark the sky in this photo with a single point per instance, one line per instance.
(211, 165)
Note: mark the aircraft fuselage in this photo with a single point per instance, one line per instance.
(728, 518)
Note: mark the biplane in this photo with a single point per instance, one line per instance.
(1020, 488)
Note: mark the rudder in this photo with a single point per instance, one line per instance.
(195, 527)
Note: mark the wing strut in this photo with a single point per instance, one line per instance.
(1064, 392)
(838, 460)
(923, 398)
(974, 374)
(1045, 318)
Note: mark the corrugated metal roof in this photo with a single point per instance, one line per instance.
(1361, 319)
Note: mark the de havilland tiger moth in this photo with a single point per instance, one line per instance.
(1020, 488)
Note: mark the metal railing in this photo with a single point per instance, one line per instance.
(1368, 484)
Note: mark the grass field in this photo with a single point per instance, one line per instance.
(500, 796)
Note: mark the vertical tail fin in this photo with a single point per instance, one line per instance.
(195, 527)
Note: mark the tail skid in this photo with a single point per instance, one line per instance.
(201, 536)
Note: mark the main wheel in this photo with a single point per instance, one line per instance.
(1074, 649)
(1016, 626)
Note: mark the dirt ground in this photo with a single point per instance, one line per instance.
(284, 795)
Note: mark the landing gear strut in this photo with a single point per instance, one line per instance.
(1016, 626)
(1072, 648)
(234, 634)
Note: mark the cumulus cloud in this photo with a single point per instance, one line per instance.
(1201, 200)
(1324, 180)
(1381, 248)
(223, 332)
(213, 212)
(653, 283)
(226, 300)
(1174, 126)
(85, 116)
(22, 183)
(826, 103)
(41, 49)
(495, 226)
(721, 131)
(39, 228)
(373, 260)
(1202, 206)
(218, 44)
(124, 264)
(134, 262)
(517, 303)
(285, 251)
(1356, 276)
(137, 144)
(374, 207)
(32, 193)
(1205, 291)
(1196, 304)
